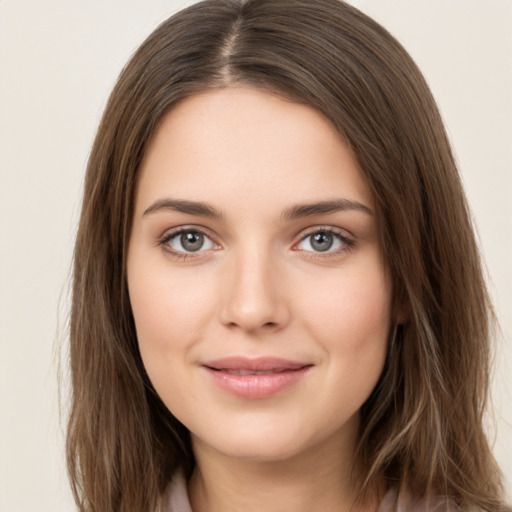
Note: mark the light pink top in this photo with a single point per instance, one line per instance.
(176, 500)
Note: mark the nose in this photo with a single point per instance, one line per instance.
(254, 296)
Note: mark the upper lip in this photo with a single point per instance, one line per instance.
(262, 364)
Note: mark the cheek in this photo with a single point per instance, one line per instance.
(169, 309)
(351, 326)
(352, 321)
(358, 301)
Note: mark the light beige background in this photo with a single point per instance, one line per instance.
(58, 61)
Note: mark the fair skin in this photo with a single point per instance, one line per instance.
(263, 312)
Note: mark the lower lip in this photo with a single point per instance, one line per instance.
(257, 386)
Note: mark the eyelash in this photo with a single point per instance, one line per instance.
(347, 243)
(182, 255)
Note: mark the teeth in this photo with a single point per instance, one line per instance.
(250, 372)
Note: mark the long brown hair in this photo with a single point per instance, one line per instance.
(421, 428)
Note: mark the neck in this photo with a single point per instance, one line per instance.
(321, 478)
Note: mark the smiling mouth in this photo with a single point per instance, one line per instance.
(255, 378)
(250, 372)
(260, 364)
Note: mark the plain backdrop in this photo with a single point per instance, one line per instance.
(58, 62)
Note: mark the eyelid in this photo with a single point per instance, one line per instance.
(326, 228)
(345, 237)
(171, 233)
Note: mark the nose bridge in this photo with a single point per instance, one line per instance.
(254, 298)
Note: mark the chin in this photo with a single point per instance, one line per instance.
(265, 441)
(257, 449)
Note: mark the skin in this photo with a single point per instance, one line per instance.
(258, 287)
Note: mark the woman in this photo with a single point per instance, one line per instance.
(278, 301)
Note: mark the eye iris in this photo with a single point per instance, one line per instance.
(322, 241)
(192, 241)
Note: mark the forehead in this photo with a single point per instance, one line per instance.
(237, 146)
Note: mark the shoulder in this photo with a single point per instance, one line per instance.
(404, 502)
(175, 498)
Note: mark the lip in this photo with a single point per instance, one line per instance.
(255, 378)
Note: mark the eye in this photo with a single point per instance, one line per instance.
(187, 241)
(325, 241)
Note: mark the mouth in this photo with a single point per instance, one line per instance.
(255, 378)
(249, 372)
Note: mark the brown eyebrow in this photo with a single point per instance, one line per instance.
(180, 205)
(291, 213)
(323, 207)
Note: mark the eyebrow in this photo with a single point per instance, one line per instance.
(334, 205)
(180, 205)
(291, 213)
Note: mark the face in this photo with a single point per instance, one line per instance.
(260, 296)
